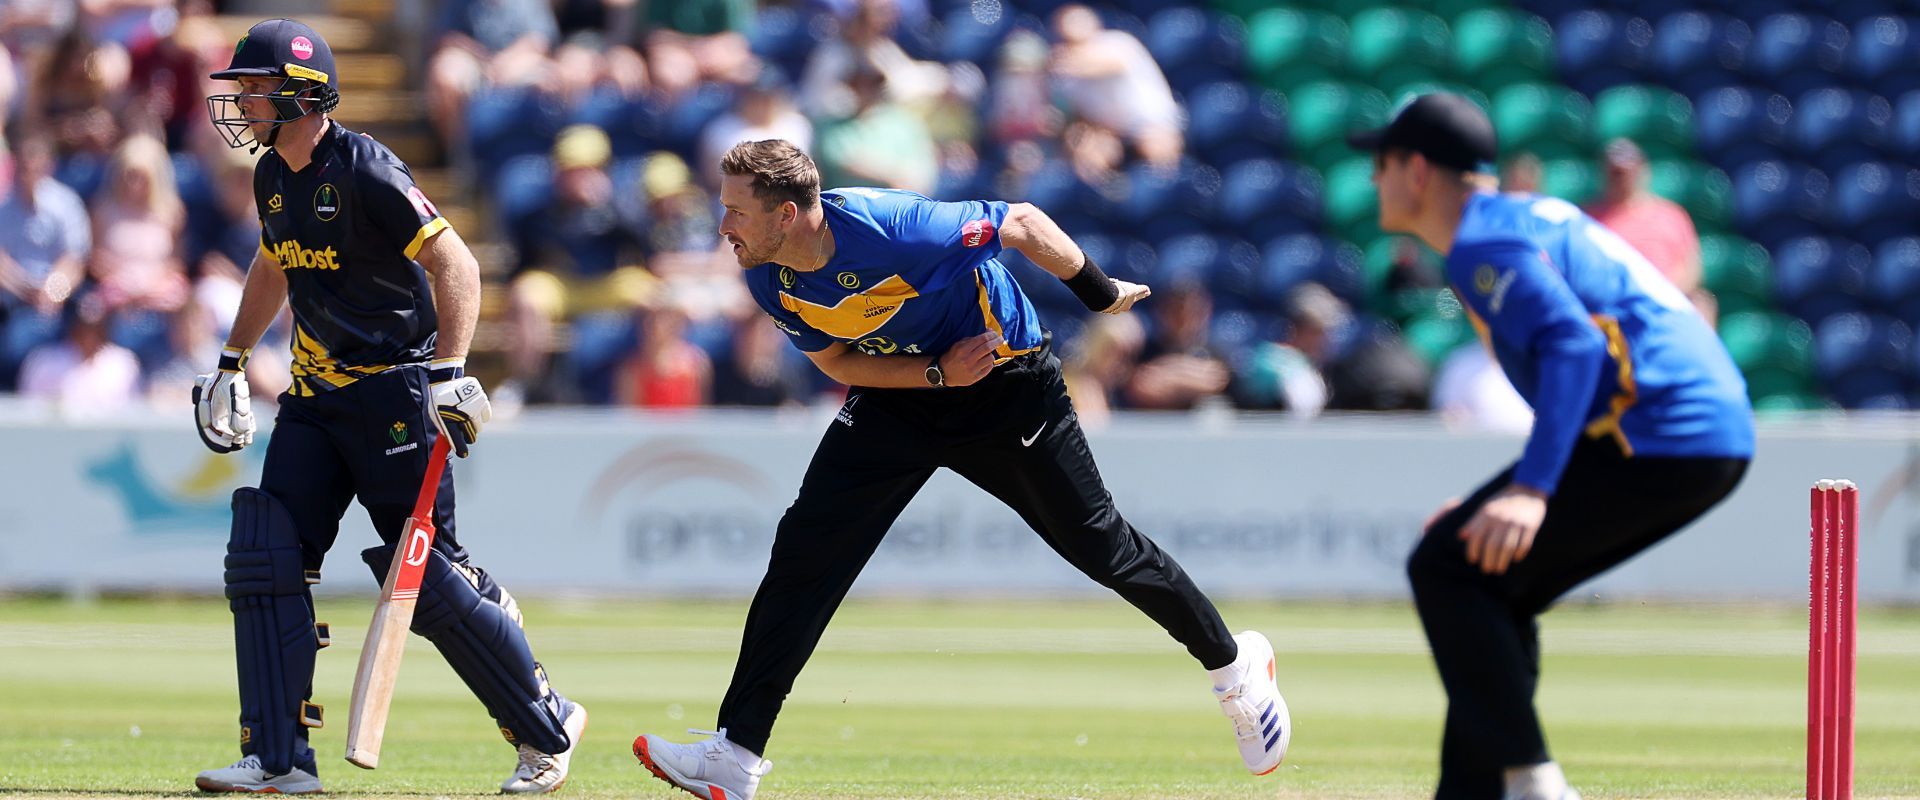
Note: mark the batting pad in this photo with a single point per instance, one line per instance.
(472, 621)
(274, 637)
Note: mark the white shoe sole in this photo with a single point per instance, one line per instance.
(674, 778)
(206, 784)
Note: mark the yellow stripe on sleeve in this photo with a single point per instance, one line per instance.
(426, 232)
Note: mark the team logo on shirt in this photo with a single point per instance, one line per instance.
(786, 277)
(293, 255)
(326, 202)
(976, 233)
(398, 432)
(276, 204)
(848, 280)
(1483, 278)
(877, 346)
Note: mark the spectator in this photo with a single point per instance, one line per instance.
(588, 56)
(84, 376)
(1473, 393)
(74, 97)
(761, 111)
(688, 42)
(666, 370)
(227, 244)
(138, 221)
(1521, 174)
(1179, 367)
(1659, 228)
(1378, 373)
(9, 85)
(1111, 80)
(1101, 365)
(1287, 374)
(1414, 267)
(687, 254)
(588, 228)
(679, 213)
(882, 144)
(577, 253)
(168, 71)
(755, 370)
(1022, 106)
(479, 43)
(866, 43)
(45, 239)
(193, 342)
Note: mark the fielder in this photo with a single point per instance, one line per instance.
(384, 296)
(1641, 425)
(901, 298)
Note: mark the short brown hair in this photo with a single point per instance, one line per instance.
(780, 171)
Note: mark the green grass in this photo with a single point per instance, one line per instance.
(986, 699)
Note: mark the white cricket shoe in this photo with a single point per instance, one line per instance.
(246, 776)
(539, 773)
(708, 770)
(1259, 713)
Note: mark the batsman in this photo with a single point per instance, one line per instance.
(384, 296)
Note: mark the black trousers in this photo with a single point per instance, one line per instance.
(369, 440)
(1015, 435)
(1482, 627)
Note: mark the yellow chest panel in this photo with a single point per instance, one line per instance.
(856, 315)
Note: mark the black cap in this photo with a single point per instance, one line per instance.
(282, 48)
(1448, 129)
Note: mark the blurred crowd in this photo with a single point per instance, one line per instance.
(586, 132)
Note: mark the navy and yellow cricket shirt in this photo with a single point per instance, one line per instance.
(346, 230)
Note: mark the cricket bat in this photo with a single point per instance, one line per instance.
(392, 616)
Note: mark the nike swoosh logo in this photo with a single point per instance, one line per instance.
(1027, 441)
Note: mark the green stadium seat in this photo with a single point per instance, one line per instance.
(1772, 349)
(1552, 121)
(1572, 179)
(1454, 9)
(1396, 46)
(1658, 120)
(1352, 206)
(1705, 191)
(1435, 334)
(1495, 48)
(1320, 115)
(1788, 402)
(1738, 272)
(1288, 49)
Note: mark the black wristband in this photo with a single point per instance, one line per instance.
(233, 359)
(1095, 290)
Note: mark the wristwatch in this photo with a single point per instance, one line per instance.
(936, 377)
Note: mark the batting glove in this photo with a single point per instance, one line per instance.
(222, 406)
(460, 406)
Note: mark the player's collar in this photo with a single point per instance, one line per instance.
(328, 141)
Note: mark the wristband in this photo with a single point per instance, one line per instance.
(441, 370)
(234, 359)
(1095, 290)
